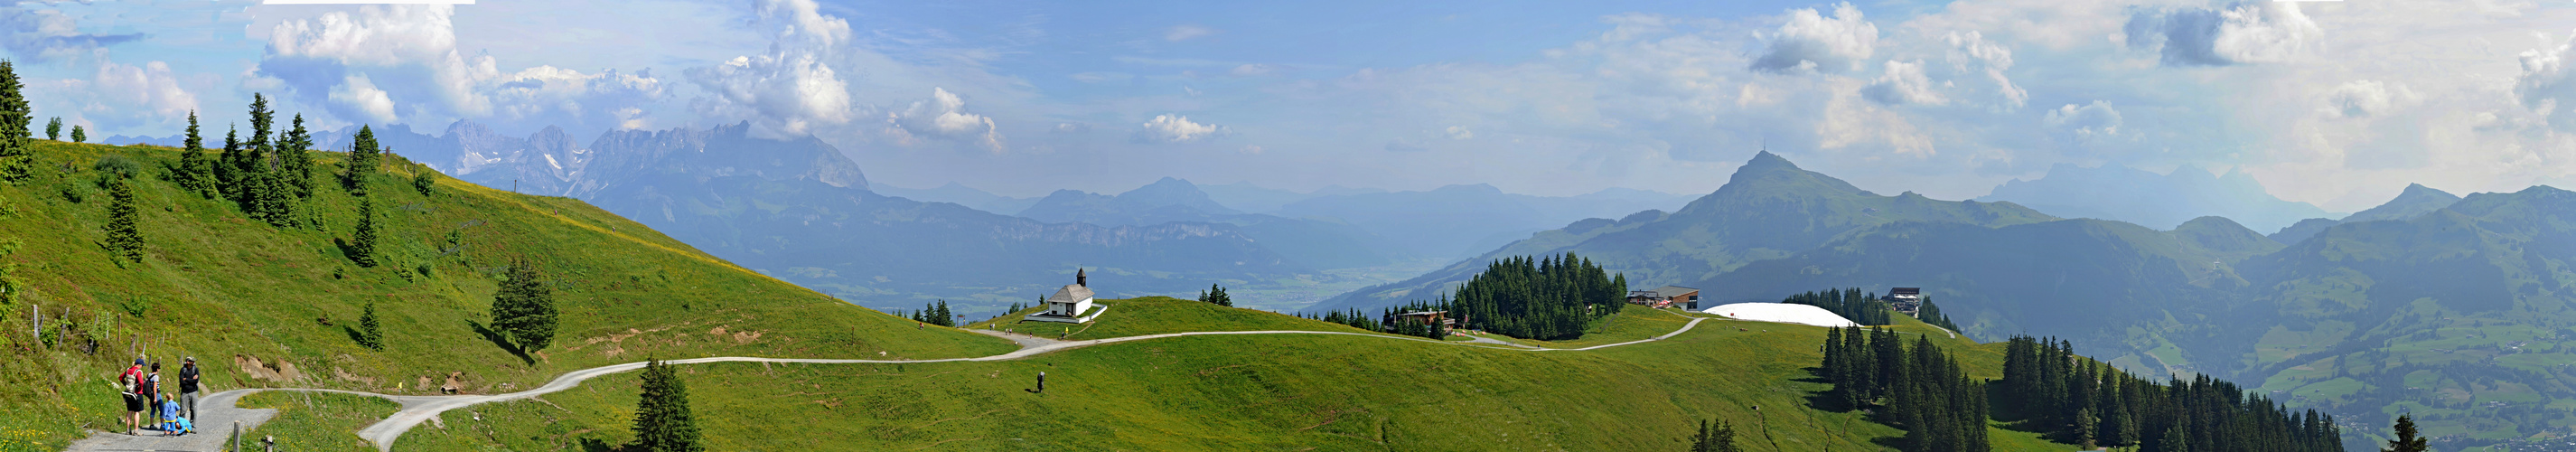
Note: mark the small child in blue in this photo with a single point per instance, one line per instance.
(172, 423)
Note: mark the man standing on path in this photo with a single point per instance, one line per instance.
(188, 386)
(130, 383)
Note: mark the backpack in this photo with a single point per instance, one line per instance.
(133, 379)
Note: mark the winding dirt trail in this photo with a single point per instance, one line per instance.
(220, 411)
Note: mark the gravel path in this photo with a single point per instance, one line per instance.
(219, 411)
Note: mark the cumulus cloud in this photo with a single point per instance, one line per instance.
(790, 89)
(2547, 86)
(40, 35)
(2366, 98)
(1904, 83)
(1459, 133)
(2090, 120)
(2243, 33)
(1811, 42)
(943, 116)
(1070, 127)
(1177, 129)
(1972, 52)
(400, 63)
(1180, 33)
(118, 95)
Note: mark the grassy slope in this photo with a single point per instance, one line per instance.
(217, 286)
(1249, 393)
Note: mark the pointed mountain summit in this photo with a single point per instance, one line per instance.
(1174, 192)
(2415, 201)
(1770, 209)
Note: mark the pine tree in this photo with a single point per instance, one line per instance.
(295, 160)
(196, 174)
(369, 335)
(79, 134)
(663, 421)
(16, 162)
(1716, 436)
(1216, 295)
(228, 166)
(2406, 440)
(54, 128)
(524, 308)
(362, 243)
(362, 161)
(124, 236)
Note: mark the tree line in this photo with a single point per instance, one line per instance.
(2078, 400)
(1852, 304)
(1918, 388)
(934, 313)
(1551, 298)
(1391, 319)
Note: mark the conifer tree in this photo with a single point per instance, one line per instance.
(524, 308)
(16, 162)
(228, 166)
(369, 335)
(663, 422)
(2406, 440)
(196, 174)
(54, 128)
(362, 243)
(295, 160)
(362, 161)
(1216, 295)
(124, 234)
(1716, 436)
(80, 135)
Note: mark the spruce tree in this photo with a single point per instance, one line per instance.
(196, 174)
(79, 134)
(16, 162)
(124, 235)
(54, 128)
(369, 335)
(663, 422)
(228, 166)
(295, 160)
(1716, 436)
(2406, 440)
(362, 161)
(362, 243)
(1216, 295)
(524, 308)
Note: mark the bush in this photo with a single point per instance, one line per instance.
(426, 181)
(117, 165)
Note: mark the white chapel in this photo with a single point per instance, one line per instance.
(1070, 304)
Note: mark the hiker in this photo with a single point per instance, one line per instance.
(129, 383)
(1041, 382)
(188, 386)
(151, 392)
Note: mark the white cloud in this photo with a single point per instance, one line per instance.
(400, 63)
(2089, 120)
(2365, 98)
(2547, 85)
(39, 35)
(1903, 83)
(360, 95)
(121, 96)
(1177, 129)
(1099, 77)
(1252, 70)
(2255, 32)
(1460, 133)
(1972, 52)
(791, 89)
(943, 116)
(1180, 33)
(1812, 42)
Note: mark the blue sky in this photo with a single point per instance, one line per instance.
(2336, 103)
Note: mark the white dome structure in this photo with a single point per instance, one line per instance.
(1783, 313)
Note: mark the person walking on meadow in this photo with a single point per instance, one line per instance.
(130, 384)
(188, 386)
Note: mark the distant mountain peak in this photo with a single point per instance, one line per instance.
(1769, 174)
(1768, 160)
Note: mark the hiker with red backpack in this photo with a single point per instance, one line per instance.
(131, 384)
